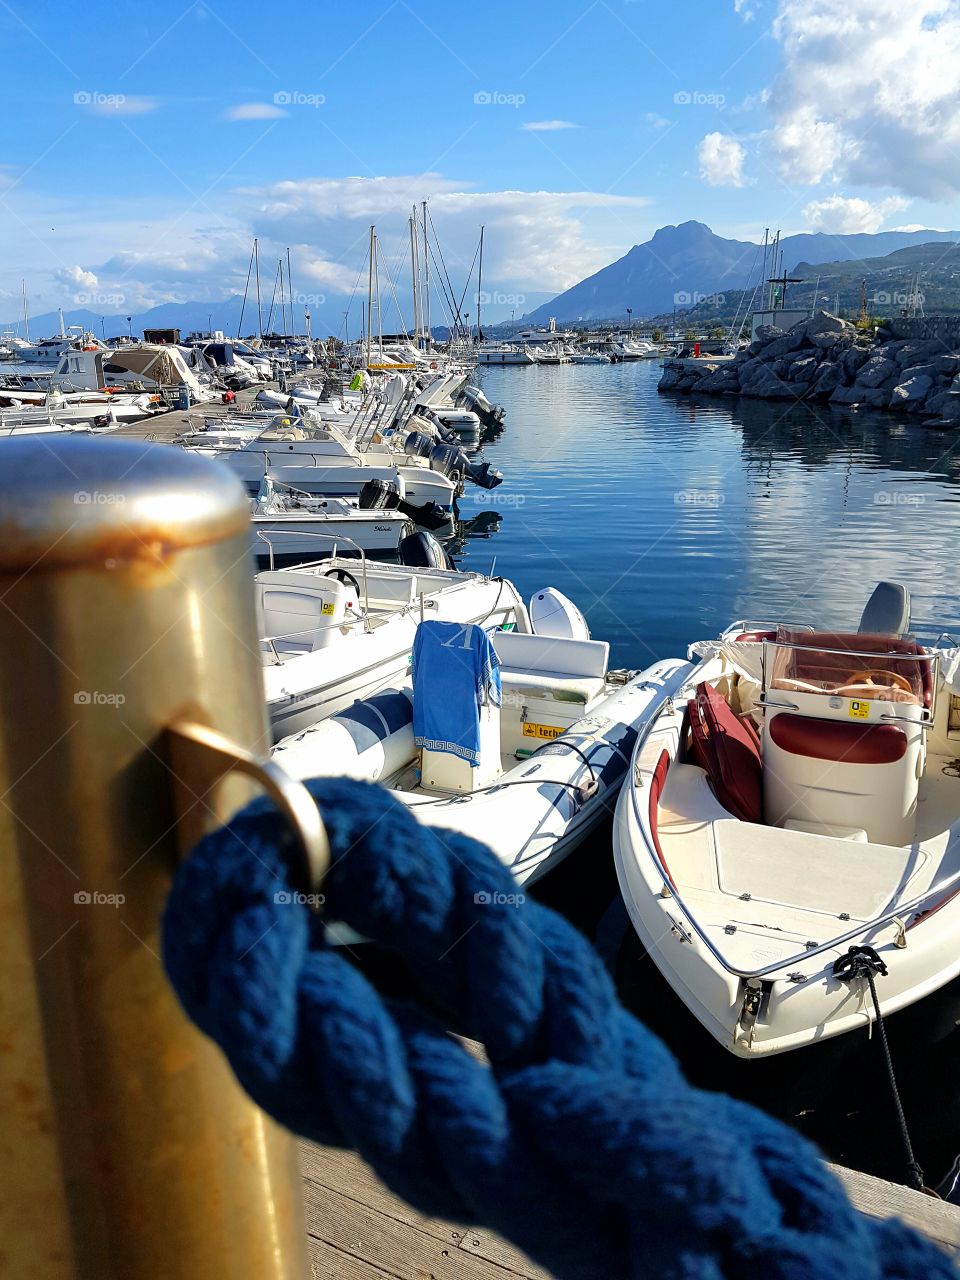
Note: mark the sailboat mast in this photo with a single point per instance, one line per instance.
(480, 287)
(370, 296)
(290, 291)
(414, 279)
(26, 313)
(256, 258)
(426, 276)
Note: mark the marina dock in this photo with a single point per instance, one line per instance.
(357, 1230)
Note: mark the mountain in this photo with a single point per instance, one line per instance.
(681, 265)
(186, 316)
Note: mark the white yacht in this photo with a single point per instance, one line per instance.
(505, 353)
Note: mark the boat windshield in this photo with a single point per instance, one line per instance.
(850, 665)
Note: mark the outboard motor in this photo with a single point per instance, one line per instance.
(418, 445)
(448, 460)
(483, 474)
(552, 614)
(381, 495)
(422, 551)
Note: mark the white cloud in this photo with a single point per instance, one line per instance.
(917, 226)
(116, 104)
(869, 93)
(534, 239)
(254, 111)
(77, 277)
(746, 9)
(721, 158)
(843, 215)
(548, 126)
(656, 121)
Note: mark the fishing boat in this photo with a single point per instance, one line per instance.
(342, 628)
(551, 749)
(790, 832)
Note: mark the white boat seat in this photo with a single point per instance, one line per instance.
(388, 593)
(827, 829)
(706, 849)
(888, 611)
(566, 670)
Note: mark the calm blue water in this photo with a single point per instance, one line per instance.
(665, 519)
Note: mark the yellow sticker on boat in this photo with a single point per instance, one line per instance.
(859, 710)
(328, 608)
(531, 730)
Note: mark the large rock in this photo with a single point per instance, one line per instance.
(876, 397)
(918, 352)
(877, 369)
(803, 370)
(949, 365)
(719, 381)
(913, 391)
(852, 361)
(823, 322)
(766, 386)
(828, 379)
(919, 370)
(782, 346)
(849, 395)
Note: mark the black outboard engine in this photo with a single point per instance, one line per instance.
(380, 495)
(483, 474)
(448, 460)
(423, 551)
(418, 445)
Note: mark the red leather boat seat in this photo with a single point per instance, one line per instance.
(838, 740)
(728, 751)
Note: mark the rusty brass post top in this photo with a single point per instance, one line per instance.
(73, 500)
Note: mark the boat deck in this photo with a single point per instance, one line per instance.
(357, 1230)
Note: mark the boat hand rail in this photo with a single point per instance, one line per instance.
(912, 906)
(335, 538)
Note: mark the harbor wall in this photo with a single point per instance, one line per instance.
(911, 367)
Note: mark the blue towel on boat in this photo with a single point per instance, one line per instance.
(455, 672)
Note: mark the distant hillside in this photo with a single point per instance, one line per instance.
(681, 265)
(891, 282)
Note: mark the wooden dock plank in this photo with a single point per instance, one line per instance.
(358, 1230)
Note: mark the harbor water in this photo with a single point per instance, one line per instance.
(665, 519)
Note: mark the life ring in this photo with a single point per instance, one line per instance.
(433, 364)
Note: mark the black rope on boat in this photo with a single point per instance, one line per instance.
(864, 963)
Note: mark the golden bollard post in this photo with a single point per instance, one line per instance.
(127, 1150)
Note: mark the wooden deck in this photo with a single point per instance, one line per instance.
(357, 1230)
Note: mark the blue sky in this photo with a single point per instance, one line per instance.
(145, 145)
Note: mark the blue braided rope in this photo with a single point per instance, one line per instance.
(581, 1142)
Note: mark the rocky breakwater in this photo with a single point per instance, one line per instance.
(825, 360)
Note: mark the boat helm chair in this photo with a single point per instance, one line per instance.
(845, 716)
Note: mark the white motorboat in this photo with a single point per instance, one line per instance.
(286, 524)
(553, 755)
(342, 628)
(505, 353)
(153, 367)
(798, 798)
(589, 357)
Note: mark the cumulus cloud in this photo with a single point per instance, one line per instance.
(534, 239)
(548, 126)
(721, 158)
(747, 9)
(869, 93)
(77, 278)
(842, 215)
(254, 111)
